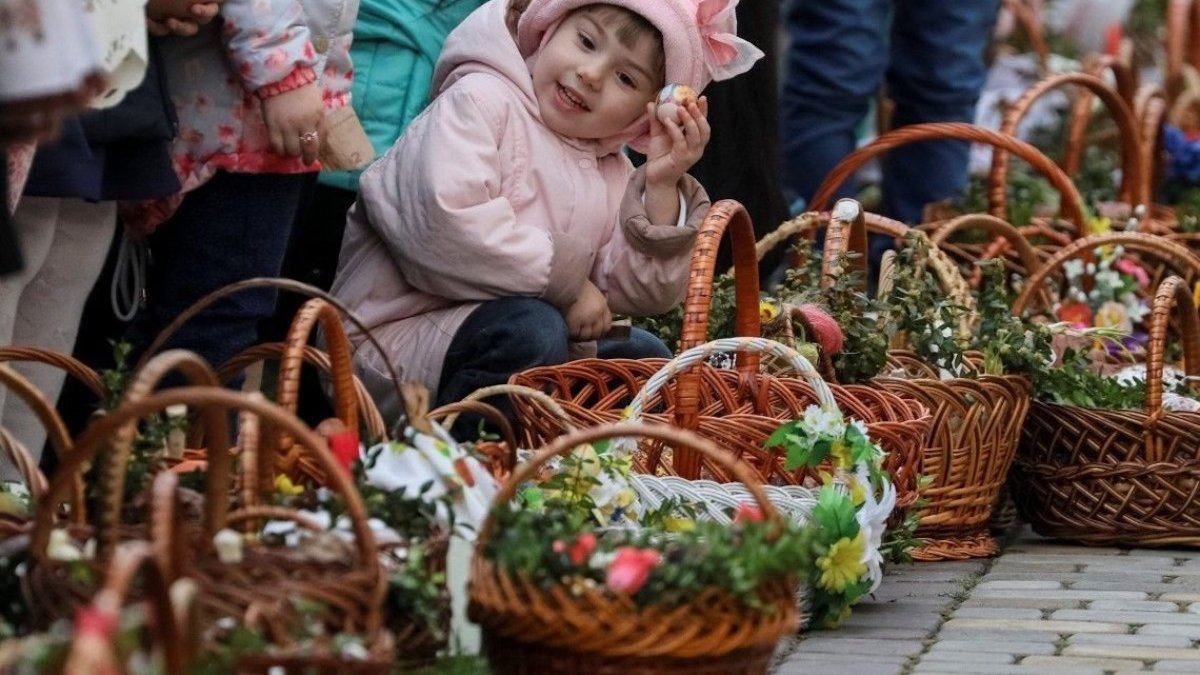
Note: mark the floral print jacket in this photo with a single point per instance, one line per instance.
(218, 78)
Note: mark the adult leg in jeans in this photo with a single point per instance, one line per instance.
(500, 338)
(233, 228)
(937, 71)
(836, 60)
(641, 344)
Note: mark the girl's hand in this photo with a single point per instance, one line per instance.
(588, 318)
(167, 17)
(675, 147)
(295, 121)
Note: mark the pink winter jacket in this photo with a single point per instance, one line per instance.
(479, 200)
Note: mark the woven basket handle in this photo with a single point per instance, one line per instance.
(279, 284)
(1080, 113)
(1132, 180)
(686, 463)
(26, 466)
(372, 418)
(1177, 255)
(134, 564)
(212, 404)
(65, 362)
(1030, 23)
(847, 215)
(115, 459)
(518, 392)
(1182, 39)
(56, 432)
(1006, 236)
(678, 438)
(491, 413)
(287, 392)
(724, 216)
(1072, 203)
(1150, 107)
(1173, 298)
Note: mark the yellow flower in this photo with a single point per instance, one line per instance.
(625, 498)
(1099, 225)
(843, 564)
(840, 452)
(285, 486)
(1113, 314)
(767, 310)
(674, 524)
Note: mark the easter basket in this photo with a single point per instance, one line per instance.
(1128, 477)
(736, 408)
(976, 419)
(246, 581)
(532, 628)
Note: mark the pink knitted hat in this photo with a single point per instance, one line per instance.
(699, 36)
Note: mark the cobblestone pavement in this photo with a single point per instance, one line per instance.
(1041, 607)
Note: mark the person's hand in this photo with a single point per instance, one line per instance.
(163, 17)
(295, 121)
(588, 318)
(677, 144)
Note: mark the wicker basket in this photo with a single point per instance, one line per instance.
(18, 455)
(737, 409)
(976, 420)
(349, 586)
(1124, 477)
(528, 628)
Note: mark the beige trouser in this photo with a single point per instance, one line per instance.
(64, 243)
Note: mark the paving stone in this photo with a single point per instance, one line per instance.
(1076, 578)
(1123, 562)
(1177, 667)
(1030, 585)
(1131, 564)
(1145, 587)
(1188, 553)
(1025, 603)
(1134, 606)
(993, 645)
(810, 667)
(1180, 597)
(939, 668)
(1125, 617)
(925, 621)
(950, 633)
(1138, 640)
(861, 646)
(844, 659)
(1194, 608)
(1043, 569)
(1184, 630)
(1063, 594)
(1133, 652)
(875, 632)
(968, 657)
(1082, 661)
(996, 613)
(1040, 548)
(1062, 627)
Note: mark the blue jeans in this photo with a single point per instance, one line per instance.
(234, 227)
(506, 336)
(931, 53)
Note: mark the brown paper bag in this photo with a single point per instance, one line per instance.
(345, 145)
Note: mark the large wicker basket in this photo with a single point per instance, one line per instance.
(1117, 476)
(528, 628)
(736, 408)
(976, 420)
(349, 588)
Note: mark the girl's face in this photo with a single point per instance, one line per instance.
(589, 83)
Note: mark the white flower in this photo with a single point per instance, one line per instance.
(946, 332)
(821, 422)
(1073, 268)
(229, 546)
(355, 651)
(61, 548)
(1091, 268)
(862, 427)
(933, 348)
(872, 518)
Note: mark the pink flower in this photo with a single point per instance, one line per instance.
(630, 569)
(748, 513)
(558, 546)
(582, 549)
(1127, 266)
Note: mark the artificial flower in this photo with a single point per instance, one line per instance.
(843, 564)
(767, 310)
(61, 548)
(1077, 314)
(872, 518)
(1130, 267)
(1113, 314)
(582, 549)
(748, 512)
(1099, 225)
(285, 486)
(677, 524)
(345, 449)
(630, 569)
(229, 546)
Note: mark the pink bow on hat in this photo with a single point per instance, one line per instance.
(725, 54)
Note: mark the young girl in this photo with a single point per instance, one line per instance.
(506, 224)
